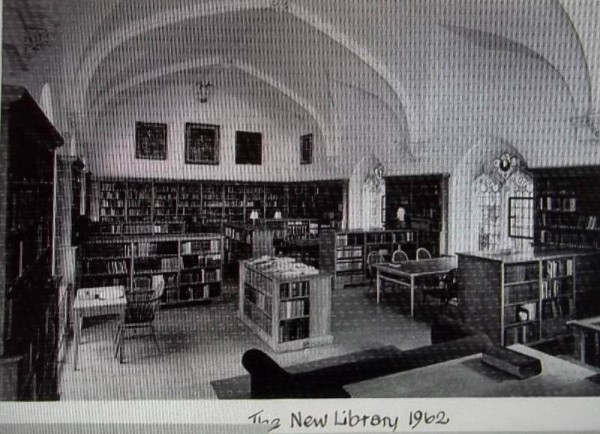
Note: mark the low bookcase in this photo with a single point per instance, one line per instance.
(191, 264)
(286, 303)
(526, 297)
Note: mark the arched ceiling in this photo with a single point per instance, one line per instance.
(401, 52)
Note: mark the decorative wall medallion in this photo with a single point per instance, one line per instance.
(506, 164)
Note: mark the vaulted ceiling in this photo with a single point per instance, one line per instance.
(432, 64)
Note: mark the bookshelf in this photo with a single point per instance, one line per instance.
(344, 253)
(206, 205)
(139, 202)
(524, 297)
(244, 241)
(165, 202)
(29, 291)
(191, 265)
(424, 198)
(567, 207)
(112, 201)
(286, 303)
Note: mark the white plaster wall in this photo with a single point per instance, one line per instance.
(235, 106)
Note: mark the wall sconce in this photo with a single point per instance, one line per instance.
(203, 90)
(277, 215)
(254, 216)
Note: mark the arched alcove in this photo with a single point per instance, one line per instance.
(490, 181)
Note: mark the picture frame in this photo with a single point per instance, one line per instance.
(150, 141)
(306, 149)
(202, 143)
(248, 148)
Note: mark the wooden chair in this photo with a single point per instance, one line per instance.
(446, 291)
(423, 253)
(370, 271)
(142, 305)
(399, 256)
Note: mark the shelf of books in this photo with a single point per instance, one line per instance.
(567, 207)
(191, 265)
(524, 297)
(165, 202)
(423, 201)
(205, 205)
(244, 240)
(112, 201)
(285, 302)
(344, 253)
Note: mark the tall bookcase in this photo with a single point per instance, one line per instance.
(567, 207)
(206, 205)
(529, 296)
(286, 303)
(344, 253)
(191, 265)
(29, 293)
(425, 201)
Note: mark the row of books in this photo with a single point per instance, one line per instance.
(552, 203)
(116, 202)
(293, 309)
(557, 308)
(349, 252)
(152, 249)
(521, 272)
(108, 267)
(555, 288)
(112, 250)
(260, 299)
(294, 329)
(568, 239)
(559, 268)
(208, 260)
(348, 266)
(208, 246)
(294, 289)
(520, 293)
(201, 276)
(148, 281)
(258, 317)
(282, 267)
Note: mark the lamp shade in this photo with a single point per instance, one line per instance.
(277, 215)
(253, 215)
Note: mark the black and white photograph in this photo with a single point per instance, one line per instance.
(303, 215)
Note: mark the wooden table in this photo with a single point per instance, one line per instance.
(406, 273)
(470, 377)
(587, 328)
(99, 301)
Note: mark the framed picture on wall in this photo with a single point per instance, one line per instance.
(150, 141)
(248, 148)
(201, 144)
(306, 149)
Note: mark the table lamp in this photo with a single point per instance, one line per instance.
(254, 216)
(277, 215)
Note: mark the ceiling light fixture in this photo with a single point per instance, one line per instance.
(203, 90)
